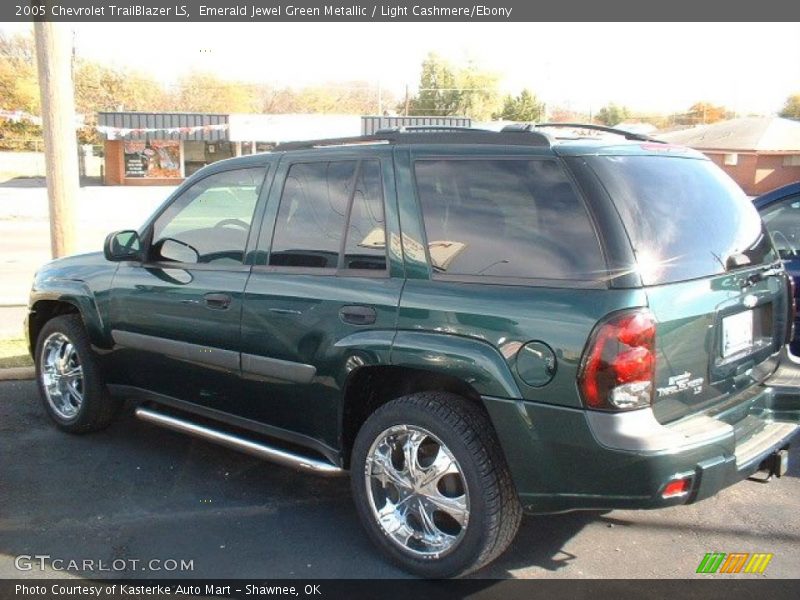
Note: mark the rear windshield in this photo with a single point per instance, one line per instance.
(685, 217)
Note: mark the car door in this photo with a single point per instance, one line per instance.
(780, 210)
(324, 276)
(175, 317)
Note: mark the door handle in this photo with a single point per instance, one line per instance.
(217, 301)
(358, 315)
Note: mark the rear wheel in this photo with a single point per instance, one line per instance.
(431, 485)
(72, 389)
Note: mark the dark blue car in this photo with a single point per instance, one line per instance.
(780, 210)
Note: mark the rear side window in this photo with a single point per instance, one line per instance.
(506, 218)
(685, 217)
(327, 207)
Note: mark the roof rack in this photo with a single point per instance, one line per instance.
(628, 135)
(429, 134)
(415, 128)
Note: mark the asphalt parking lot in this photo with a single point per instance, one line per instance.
(138, 493)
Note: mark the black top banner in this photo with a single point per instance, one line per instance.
(398, 10)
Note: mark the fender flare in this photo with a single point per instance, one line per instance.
(77, 293)
(473, 361)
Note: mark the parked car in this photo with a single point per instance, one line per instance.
(473, 324)
(780, 210)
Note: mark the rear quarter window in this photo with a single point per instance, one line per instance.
(685, 217)
(515, 218)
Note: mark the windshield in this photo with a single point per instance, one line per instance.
(685, 217)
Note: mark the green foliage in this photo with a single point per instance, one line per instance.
(448, 90)
(524, 107)
(791, 108)
(612, 114)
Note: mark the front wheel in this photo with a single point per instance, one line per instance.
(71, 385)
(431, 485)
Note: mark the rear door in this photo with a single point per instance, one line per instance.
(325, 276)
(712, 278)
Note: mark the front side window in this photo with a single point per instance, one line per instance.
(209, 222)
(516, 218)
(312, 220)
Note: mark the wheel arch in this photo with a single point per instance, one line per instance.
(370, 387)
(53, 304)
(422, 361)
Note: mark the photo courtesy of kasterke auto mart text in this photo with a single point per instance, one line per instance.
(474, 324)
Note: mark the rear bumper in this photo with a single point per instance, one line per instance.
(568, 459)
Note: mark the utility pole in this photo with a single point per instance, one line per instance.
(407, 100)
(54, 62)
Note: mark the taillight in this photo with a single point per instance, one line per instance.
(618, 367)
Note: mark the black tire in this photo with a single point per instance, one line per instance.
(97, 408)
(494, 508)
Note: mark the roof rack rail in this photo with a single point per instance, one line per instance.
(628, 135)
(426, 135)
(325, 142)
(415, 128)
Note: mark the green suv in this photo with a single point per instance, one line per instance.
(474, 324)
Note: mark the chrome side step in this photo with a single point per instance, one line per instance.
(259, 449)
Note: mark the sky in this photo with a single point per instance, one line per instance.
(651, 68)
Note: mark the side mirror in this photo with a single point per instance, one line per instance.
(123, 245)
(174, 250)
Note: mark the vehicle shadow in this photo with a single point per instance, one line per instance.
(137, 492)
(540, 543)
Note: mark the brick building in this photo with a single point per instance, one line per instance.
(759, 153)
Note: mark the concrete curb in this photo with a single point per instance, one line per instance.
(17, 373)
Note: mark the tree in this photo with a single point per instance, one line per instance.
(437, 89)
(19, 84)
(705, 112)
(205, 92)
(565, 114)
(447, 90)
(791, 108)
(19, 88)
(524, 107)
(18, 49)
(612, 114)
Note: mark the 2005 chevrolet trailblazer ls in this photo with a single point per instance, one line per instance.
(473, 323)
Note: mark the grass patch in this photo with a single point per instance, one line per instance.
(14, 353)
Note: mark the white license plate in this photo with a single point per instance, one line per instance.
(737, 333)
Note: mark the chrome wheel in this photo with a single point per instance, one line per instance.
(417, 491)
(62, 375)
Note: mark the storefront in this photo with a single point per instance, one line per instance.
(161, 148)
(165, 148)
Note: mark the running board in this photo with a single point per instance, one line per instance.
(259, 449)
